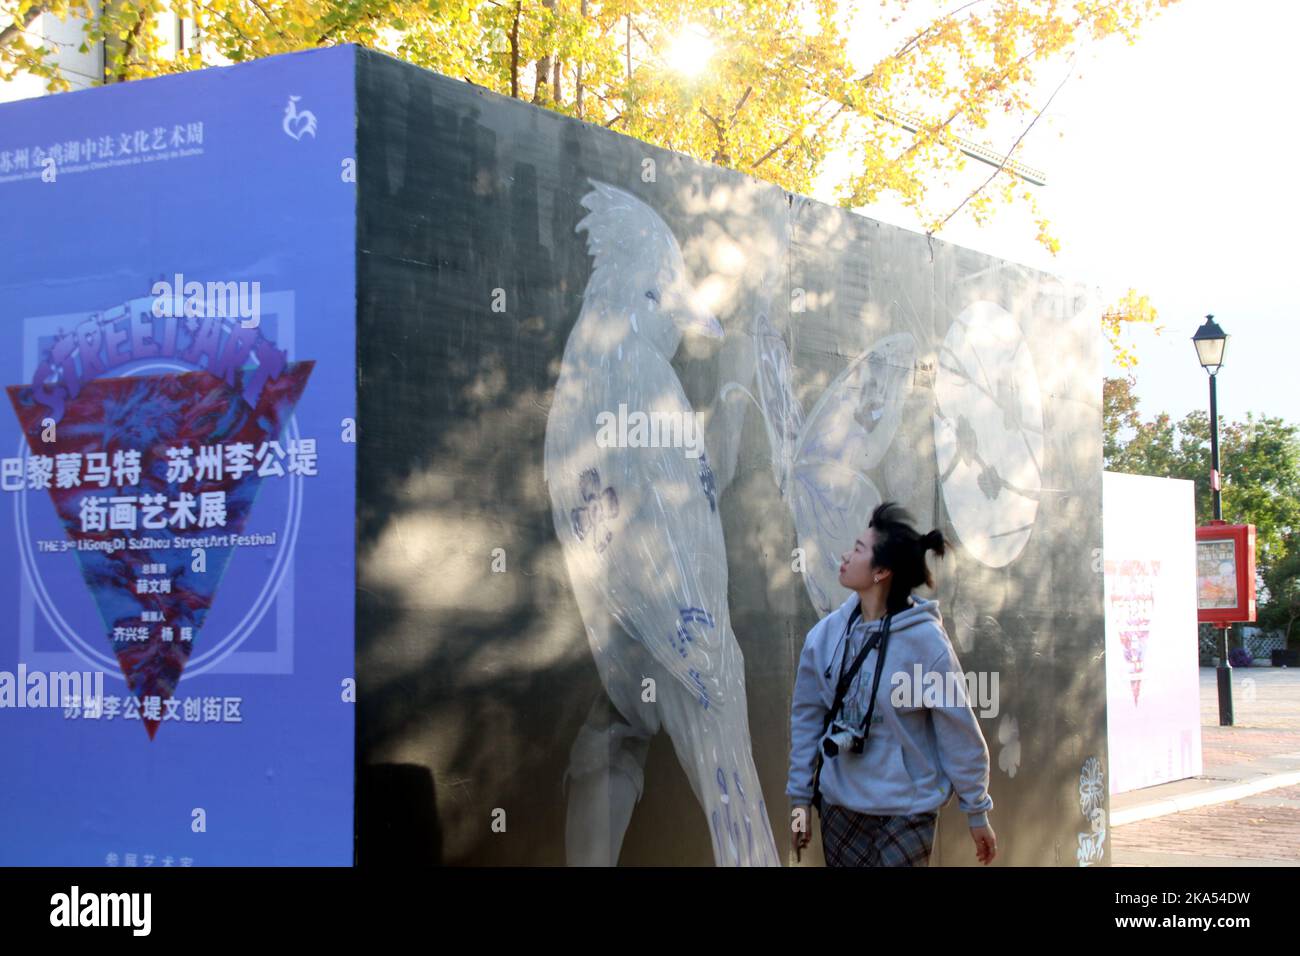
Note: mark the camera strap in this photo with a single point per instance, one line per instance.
(880, 638)
(846, 680)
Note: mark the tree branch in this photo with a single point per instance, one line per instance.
(786, 142)
(259, 6)
(989, 87)
(736, 110)
(907, 47)
(1014, 146)
(720, 154)
(11, 31)
(225, 16)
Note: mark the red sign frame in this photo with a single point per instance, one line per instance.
(1242, 541)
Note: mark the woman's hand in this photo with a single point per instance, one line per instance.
(800, 829)
(986, 843)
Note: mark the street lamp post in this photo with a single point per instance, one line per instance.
(1210, 342)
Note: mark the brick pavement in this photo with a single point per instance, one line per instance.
(1258, 830)
(1261, 830)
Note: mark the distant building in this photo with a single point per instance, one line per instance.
(80, 69)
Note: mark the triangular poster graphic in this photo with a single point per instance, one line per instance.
(149, 414)
(1134, 643)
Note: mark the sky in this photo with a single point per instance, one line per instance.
(1171, 168)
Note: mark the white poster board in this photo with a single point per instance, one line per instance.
(1153, 711)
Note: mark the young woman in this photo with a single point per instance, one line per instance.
(886, 768)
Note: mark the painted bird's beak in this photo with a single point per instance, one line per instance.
(706, 324)
(691, 312)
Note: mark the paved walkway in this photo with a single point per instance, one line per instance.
(1244, 810)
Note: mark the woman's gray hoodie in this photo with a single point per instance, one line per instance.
(916, 753)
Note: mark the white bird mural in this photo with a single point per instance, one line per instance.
(642, 541)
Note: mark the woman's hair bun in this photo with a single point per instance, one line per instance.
(934, 542)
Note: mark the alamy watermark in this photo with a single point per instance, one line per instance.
(61, 689)
(978, 689)
(181, 299)
(130, 910)
(638, 429)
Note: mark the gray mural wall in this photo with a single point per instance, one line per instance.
(526, 585)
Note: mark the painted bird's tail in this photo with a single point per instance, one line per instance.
(713, 748)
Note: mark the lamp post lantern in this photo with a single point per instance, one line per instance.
(1210, 342)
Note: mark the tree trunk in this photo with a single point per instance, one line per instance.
(514, 51)
(579, 80)
(541, 86)
(128, 47)
(542, 81)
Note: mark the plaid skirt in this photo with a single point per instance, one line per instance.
(860, 839)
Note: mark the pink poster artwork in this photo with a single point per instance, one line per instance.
(1132, 597)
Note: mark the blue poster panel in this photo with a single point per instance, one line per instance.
(177, 469)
